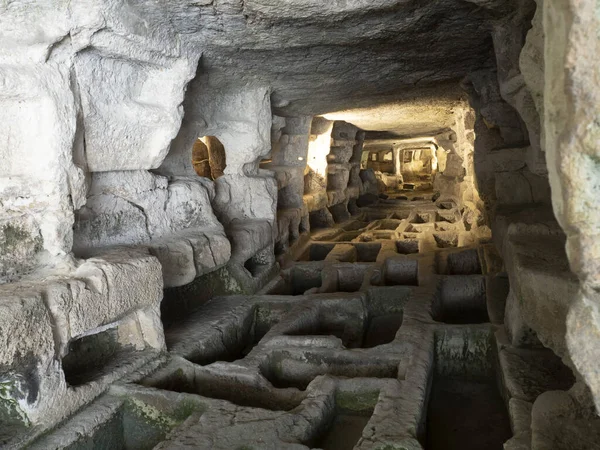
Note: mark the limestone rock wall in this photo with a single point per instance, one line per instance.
(92, 97)
(571, 143)
(538, 192)
(102, 101)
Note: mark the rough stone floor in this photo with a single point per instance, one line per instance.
(385, 332)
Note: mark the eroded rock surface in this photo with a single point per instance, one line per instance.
(394, 202)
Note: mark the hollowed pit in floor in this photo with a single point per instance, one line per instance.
(421, 218)
(352, 413)
(389, 224)
(465, 410)
(401, 215)
(376, 329)
(445, 216)
(195, 381)
(233, 341)
(376, 235)
(134, 425)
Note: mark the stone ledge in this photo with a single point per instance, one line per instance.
(120, 290)
(189, 254)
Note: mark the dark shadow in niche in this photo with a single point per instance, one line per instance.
(130, 429)
(180, 302)
(465, 409)
(235, 341)
(90, 357)
(317, 252)
(446, 240)
(338, 330)
(382, 329)
(464, 263)
(466, 415)
(367, 252)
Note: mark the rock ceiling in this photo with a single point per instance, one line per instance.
(320, 57)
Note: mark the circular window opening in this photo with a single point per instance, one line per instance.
(208, 157)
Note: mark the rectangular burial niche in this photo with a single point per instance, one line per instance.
(372, 216)
(366, 251)
(347, 236)
(376, 235)
(347, 326)
(382, 329)
(421, 218)
(401, 215)
(234, 389)
(234, 340)
(465, 409)
(460, 299)
(353, 410)
(446, 216)
(92, 356)
(130, 427)
(378, 328)
(354, 225)
(388, 224)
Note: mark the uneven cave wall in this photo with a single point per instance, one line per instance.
(419, 168)
(245, 196)
(93, 102)
(455, 179)
(534, 160)
(571, 130)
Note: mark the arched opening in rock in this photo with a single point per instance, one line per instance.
(208, 157)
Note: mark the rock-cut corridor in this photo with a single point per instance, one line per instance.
(296, 224)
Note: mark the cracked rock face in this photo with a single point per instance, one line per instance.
(339, 54)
